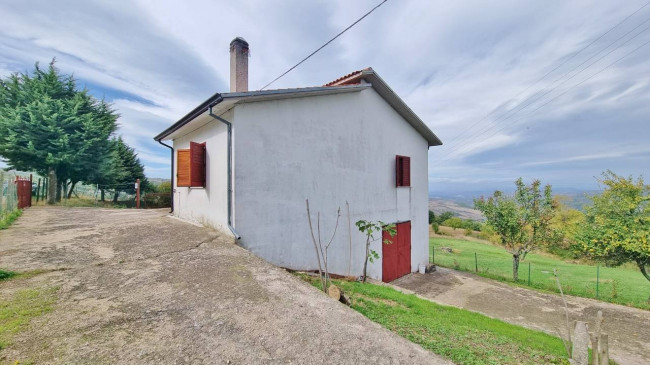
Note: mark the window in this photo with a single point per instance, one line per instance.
(191, 166)
(403, 170)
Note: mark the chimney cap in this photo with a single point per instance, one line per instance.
(240, 41)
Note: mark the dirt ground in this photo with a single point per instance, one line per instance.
(628, 328)
(139, 287)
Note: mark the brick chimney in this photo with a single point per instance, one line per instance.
(238, 65)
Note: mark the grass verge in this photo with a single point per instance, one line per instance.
(462, 336)
(8, 219)
(622, 285)
(25, 305)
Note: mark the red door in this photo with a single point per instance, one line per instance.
(24, 192)
(396, 256)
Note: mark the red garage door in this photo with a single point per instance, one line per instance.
(396, 257)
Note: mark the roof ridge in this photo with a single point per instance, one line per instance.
(349, 79)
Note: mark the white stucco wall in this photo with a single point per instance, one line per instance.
(329, 149)
(206, 206)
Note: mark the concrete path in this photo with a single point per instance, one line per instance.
(137, 287)
(628, 328)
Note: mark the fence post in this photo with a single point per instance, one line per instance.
(31, 181)
(137, 194)
(597, 279)
(38, 189)
(475, 262)
(2, 191)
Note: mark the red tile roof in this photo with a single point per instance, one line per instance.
(349, 79)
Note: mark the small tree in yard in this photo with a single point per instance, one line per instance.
(454, 223)
(321, 247)
(370, 228)
(521, 221)
(617, 228)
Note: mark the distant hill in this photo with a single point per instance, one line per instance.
(157, 181)
(462, 204)
(460, 209)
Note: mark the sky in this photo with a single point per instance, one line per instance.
(535, 89)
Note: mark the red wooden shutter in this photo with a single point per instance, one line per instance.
(406, 171)
(197, 164)
(403, 170)
(183, 168)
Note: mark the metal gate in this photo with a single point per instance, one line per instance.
(396, 256)
(24, 192)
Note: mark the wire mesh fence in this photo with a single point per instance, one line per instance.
(79, 194)
(623, 285)
(8, 194)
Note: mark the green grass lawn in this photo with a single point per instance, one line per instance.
(462, 336)
(623, 285)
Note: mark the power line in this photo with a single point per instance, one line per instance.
(574, 86)
(548, 73)
(324, 45)
(534, 98)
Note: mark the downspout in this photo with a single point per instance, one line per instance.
(229, 126)
(172, 174)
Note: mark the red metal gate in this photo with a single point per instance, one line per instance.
(24, 192)
(396, 256)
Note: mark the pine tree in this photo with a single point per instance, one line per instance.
(126, 168)
(48, 126)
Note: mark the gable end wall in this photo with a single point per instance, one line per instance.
(329, 149)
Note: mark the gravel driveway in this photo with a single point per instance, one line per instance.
(138, 287)
(628, 328)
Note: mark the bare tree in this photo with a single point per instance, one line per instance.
(321, 247)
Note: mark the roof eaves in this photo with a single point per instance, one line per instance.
(253, 95)
(211, 101)
(400, 106)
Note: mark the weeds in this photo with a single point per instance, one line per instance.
(6, 274)
(19, 310)
(8, 219)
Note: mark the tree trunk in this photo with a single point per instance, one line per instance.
(515, 267)
(365, 263)
(115, 196)
(59, 190)
(102, 190)
(71, 189)
(642, 265)
(51, 186)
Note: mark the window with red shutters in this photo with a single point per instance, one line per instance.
(197, 164)
(403, 170)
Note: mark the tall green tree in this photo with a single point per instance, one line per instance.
(49, 126)
(126, 168)
(617, 228)
(521, 221)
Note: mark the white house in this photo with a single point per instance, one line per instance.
(244, 162)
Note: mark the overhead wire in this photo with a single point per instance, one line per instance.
(574, 86)
(466, 130)
(324, 45)
(523, 105)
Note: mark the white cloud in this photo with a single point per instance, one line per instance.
(452, 62)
